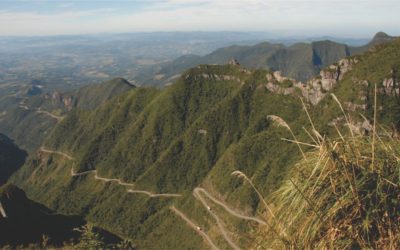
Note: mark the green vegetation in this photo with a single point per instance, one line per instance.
(343, 194)
(301, 61)
(211, 122)
(89, 239)
(28, 127)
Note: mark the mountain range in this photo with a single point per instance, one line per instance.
(301, 61)
(155, 165)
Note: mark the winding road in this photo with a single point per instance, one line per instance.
(58, 118)
(38, 110)
(198, 196)
(43, 149)
(118, 181)
(195, 227)
(153, 194)
(198, 193)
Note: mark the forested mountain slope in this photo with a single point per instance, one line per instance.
(28, 118)
(155, 165)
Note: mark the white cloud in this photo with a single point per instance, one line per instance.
(319, 16)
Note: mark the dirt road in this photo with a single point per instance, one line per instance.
(195, 227)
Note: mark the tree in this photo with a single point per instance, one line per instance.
(89, 238)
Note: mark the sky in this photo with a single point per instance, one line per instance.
(340, 18)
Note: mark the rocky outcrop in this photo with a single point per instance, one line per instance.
(359, 127)
(202, 131)
(58, 98)
(275, 88)
(391, 86)
(234, 62)
(349, 106)
(216, 77)
(314, 90)
(317, 88)
(280, 84)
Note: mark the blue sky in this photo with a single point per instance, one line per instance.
(346, 18)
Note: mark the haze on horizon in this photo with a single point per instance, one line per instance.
(340, 18)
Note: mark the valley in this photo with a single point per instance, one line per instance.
(174, 125)
(197, 164)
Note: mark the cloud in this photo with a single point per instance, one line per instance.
(293, 16)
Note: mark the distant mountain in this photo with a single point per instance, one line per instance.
(11, 158)
(380, 38)
(24, 222)
(301, 61)
(156, 165)
(86, 97)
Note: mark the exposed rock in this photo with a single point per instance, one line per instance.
(390, 86)
(313, 95)
(363, 95)
(56, 96)
(270, 77)
(202, 131)
(316, 88)
(363, 83)
(68, 102)
(246, 71)
(278, 76)
(336, 121)
(234, 62)
(361, 128)
(274, 88)
(349, 106)
(367, 126)
(217, 77)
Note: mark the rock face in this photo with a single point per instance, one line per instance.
(216, 77)
(234, 62)
(391, 86)
(280, 84)
(315, 89)
(58, 98)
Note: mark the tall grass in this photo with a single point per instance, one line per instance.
(344, 194)
(343, 203)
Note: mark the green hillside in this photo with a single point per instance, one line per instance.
(134, 165)
(29, 118)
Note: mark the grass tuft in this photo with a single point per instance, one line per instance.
(341, 195)
(343, 203)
